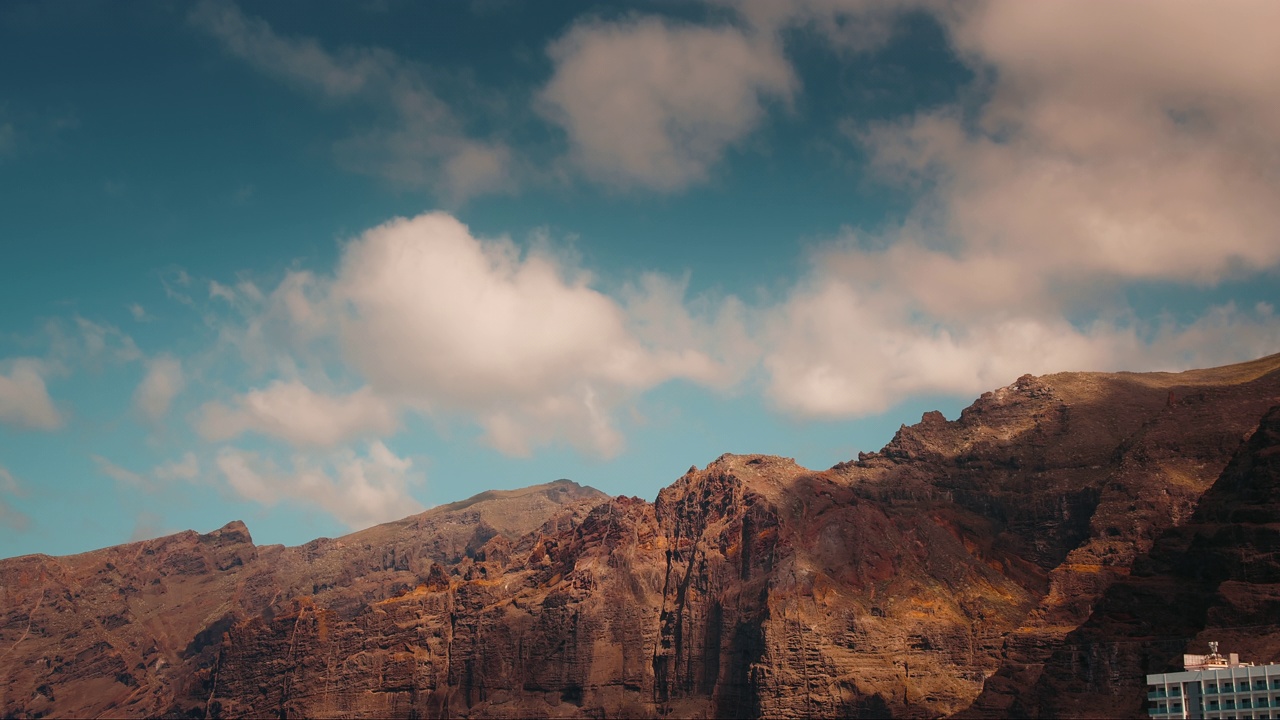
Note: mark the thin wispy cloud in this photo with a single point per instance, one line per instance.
(422, 144)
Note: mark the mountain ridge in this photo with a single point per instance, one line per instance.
(938, 575)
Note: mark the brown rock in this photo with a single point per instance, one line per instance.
(977, 566)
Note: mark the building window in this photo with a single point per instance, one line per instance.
(1211, 688)
(1227, 687)
(1259, 684)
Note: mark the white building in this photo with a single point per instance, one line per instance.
(1216, 687)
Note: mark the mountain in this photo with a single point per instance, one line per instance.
(986, 566)
(127, 631)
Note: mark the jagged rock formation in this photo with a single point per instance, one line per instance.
(960, 569)
(1215, 577)
(128, 630)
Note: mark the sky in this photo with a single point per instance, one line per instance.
(316, 266)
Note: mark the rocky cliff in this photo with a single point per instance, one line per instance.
(129, 630)
(1214, 577)
(977, 566)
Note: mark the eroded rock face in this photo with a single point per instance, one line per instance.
(948, 573)
(132, 630)
(1215, 577)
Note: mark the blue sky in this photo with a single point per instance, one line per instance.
(321, 265)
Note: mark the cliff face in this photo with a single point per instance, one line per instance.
(130, 630)
(1215, 577)
(959, 570)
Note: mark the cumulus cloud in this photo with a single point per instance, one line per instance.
(423, 143)
(1129, 144)
(841, 350)
(24, 400)
(652, 104)
(163, 381)
(440, 322)
(291, 411)
(1136, 142)
(359, 490)
(454, 323)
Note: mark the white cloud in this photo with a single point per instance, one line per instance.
(24, 396)
(423, 144)
(1130, 144)
(188, 468)
(449, 322)
(839, 349)
(138, 312)
(293, 412)
(648, 103)
(661, 315)
(440, 322)
(357, 490)
(24, 400)
(163, 381)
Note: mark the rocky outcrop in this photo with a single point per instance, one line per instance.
(961, 569)
(1188, 426)
(132, 630)
(1215, 577)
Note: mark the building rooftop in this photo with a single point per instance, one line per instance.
(1213, 660)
